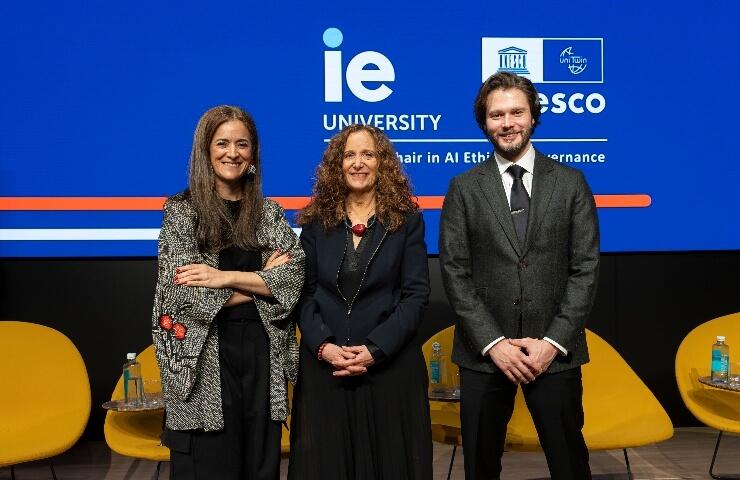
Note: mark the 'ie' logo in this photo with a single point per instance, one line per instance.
(356, 73)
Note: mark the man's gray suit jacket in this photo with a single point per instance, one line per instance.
(498, 287)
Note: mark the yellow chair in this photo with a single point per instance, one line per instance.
(47, 401)
(137, 434)
(719, 409)
(608, 382)
(620, 412)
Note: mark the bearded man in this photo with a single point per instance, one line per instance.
(519, 252)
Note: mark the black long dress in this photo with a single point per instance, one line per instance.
(248, 447)
(373, 426)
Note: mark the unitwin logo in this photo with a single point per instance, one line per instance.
(368, 74)
(576, 63)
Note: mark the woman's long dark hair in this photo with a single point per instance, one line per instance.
(215, 229)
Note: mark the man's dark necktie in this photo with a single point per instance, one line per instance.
(519, 202)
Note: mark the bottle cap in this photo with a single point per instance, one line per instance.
(720, 338)
(130, 356)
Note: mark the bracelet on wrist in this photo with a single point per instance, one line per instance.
(320, 352)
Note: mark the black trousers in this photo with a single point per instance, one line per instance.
(248, 447)
(554, 400)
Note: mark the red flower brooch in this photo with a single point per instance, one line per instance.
(178, 329)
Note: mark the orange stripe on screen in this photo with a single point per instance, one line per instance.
(288, 203)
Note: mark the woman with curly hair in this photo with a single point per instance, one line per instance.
(360, 407)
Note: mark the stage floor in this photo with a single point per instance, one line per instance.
(686, 455)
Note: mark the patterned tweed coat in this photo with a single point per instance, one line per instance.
(185, 336)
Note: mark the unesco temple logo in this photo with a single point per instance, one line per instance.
(575, 63)
(512, 59)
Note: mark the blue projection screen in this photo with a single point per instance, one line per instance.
(99, 103)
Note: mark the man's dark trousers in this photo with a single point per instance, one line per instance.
(554, 400)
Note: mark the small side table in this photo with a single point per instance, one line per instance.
(729, 387)
(732, 387)
(153, 401)
(444, 394)
(451, 395)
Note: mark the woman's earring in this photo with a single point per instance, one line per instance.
(251, 170)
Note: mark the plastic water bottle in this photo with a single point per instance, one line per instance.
(435, 364)
(133, 386)
(720, 360)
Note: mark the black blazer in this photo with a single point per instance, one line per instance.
(499, 288)
(392, 297)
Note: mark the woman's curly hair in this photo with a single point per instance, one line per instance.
(393, 197)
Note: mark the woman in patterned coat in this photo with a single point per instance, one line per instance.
(230, 272)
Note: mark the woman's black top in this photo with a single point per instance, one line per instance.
(352, 269)
(354, 264)
(237, 259)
